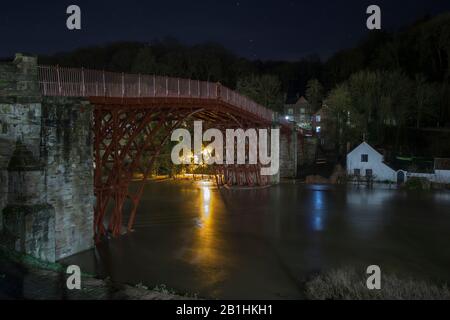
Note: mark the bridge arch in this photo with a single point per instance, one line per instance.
(63, 118)
(135, 114)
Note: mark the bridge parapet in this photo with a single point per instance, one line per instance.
(73, 82)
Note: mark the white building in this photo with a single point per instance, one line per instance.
(366, 161)
(442, 170)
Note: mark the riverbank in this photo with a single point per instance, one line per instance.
(24, 277)
(348, 284)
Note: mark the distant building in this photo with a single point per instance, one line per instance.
(365, 161)
(323, 128)
(318, 120)
(439, 174)
(442, 170)
(300, 112)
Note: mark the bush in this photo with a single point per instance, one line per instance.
(416, 183)
(346, 284)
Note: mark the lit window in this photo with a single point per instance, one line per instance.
(318, 118)
(290, 111)
(318, 129)
(364, 158)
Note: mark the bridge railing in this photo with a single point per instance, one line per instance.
(74, 82)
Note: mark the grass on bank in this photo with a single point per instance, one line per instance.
(347, 284)
(35, 263)
(30, 261)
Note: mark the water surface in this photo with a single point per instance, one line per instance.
(263, 244)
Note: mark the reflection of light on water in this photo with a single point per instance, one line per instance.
(205, 207)
(366, 214)
(369, 197)
(206, 195)
(206, 251)
(205, 183)
(442, 196)
(318, 223)
(318, 200)
(318, 205)
(206, 200)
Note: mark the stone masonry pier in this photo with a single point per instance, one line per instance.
(46, 167)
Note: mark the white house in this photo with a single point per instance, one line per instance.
(442, 170)
(366, 161)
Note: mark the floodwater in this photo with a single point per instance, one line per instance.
(264, 244)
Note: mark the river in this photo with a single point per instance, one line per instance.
(263, 244)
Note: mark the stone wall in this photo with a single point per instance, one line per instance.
(288, 154)
(68, 155)
(58, 182)
(307, 154)
(20, 112)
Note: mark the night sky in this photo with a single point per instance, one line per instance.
(257, 29)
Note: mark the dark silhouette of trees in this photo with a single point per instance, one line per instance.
(389, 82)
(314, 94)
(265, 89)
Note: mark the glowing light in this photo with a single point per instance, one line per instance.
(186, 158)
(206, 154)
(206, 194)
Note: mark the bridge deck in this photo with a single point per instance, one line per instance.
(139, 89)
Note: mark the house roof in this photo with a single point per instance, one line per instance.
(364, 144)
(302, 99)
(296, 101)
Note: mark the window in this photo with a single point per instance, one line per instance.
(302, 110)
(369, 172)
(357, 172)
(290, 111)
(318, 118)
(364, 158)
(318, 129)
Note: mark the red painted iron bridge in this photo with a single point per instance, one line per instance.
(134, 115)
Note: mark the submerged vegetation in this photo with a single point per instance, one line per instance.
(415, 183)
(347, 284)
